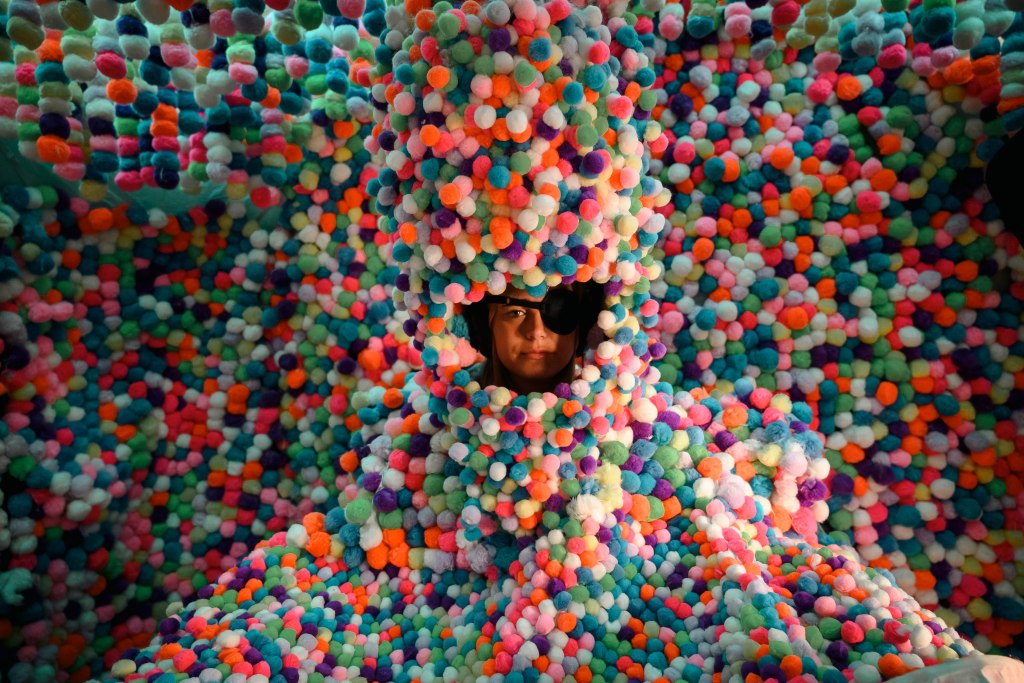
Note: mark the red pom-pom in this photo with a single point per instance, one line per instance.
(25, 74)
(264, 197)
(351, 9)
(892, 57)
(598, 53)
(111, 65)
(129, 181)
(819, 91)
(785, 14)
(558, 10)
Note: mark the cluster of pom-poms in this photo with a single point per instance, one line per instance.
(869, 279)
(168, 383)
(885, 296)
(514, 151)
(533, 171)
(531, 540)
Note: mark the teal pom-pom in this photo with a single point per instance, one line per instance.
(968, 33)
(699, 27)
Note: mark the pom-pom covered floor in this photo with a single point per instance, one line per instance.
(200, 351)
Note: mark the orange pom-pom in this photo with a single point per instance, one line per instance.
(50, 51)
(438, 76)
(425, 19)
(53, 150)
(99, 219)
(450, 194)
(430, 135)
(370, 359)
(122, 91)
(703, 248)
(313, 522)
(412, 7)
(319, 544)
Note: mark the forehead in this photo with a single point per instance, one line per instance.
(516, 293)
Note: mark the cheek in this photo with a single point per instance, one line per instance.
(566, 348)
(502, 343)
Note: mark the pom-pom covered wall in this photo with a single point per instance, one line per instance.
(239, 432)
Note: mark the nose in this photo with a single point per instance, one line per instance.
(533, 325)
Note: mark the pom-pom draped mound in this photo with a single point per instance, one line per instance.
(563, 570)
(783, 202)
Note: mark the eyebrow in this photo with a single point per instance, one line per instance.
(510, 301)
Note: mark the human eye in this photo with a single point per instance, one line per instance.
(514, 312)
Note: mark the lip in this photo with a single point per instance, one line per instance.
(537, 355)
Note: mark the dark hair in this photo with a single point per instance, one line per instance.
(591, 299)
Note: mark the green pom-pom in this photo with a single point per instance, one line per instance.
(25, 33)
(76, 14)
(525, 74)
(309, 15)
(358, 511)
(614, 453)
(286, 32)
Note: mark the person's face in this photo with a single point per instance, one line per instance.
(531, 353)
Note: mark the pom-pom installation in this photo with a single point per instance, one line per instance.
(784, 203)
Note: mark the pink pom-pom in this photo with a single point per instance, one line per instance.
(819, 91)
(221, 23)
(944, 56)
(736, 9)
(246, 74)
(129, 181)
(127, 147)
(869, 202)
(566, 223)
(630, 60)
(737, 26)
(892, 56)
(482, 87)
(759, 398)
(670, 27)
(590, 209)
(620, 107)
(700, 415)
(176, 54)
(923, 66)
(525, 9)
(827, 62)
(70, 171)
(296, 66)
